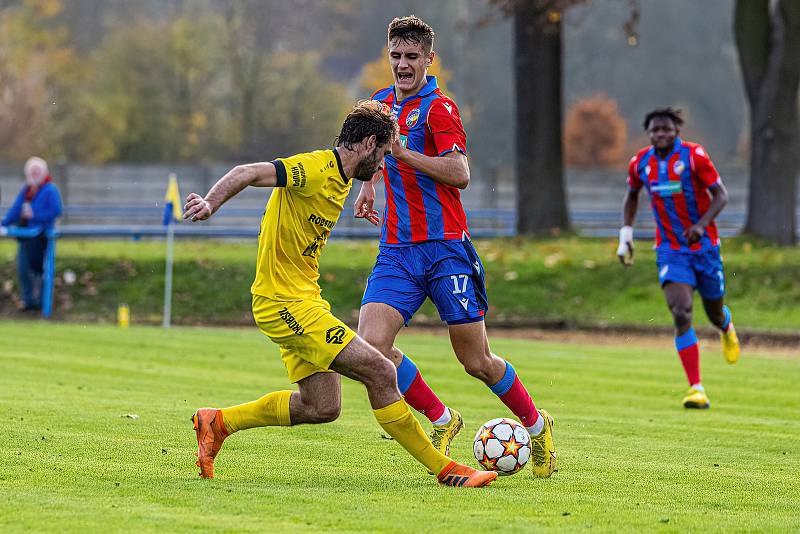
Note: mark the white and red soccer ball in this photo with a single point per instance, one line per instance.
(502, 445)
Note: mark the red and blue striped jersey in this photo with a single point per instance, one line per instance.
(679, 192)
(417, 207)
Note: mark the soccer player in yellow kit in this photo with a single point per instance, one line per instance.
(316, 347)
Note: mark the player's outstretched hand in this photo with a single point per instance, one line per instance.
(362, 209)
(196, 208)
(694, 233)
(625, 248)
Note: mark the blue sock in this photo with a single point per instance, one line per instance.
(406, 373)
(726, 323)
(505, 383)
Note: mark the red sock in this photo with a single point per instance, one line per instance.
(514, 395)
(689, 351)
(422, 398)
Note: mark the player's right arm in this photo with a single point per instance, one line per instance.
(199, 208)
(363, 207)
(629, 207)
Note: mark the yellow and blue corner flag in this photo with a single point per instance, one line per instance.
(172, 206)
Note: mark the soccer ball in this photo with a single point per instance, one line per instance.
(502, 445)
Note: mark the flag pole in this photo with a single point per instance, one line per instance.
(168, 276)
(171, 214)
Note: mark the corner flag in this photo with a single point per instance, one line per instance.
(172, 206)
(172, 213)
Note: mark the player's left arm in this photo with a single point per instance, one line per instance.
(200, 208)
(450, 165)
(708, 175)
(449, 169)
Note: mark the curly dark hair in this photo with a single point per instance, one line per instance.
(368, 117)
(668, 112)
(414, 29)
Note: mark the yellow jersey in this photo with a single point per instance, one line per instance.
(302, 210)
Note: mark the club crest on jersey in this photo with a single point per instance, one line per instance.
(678, 167)
(411, 120)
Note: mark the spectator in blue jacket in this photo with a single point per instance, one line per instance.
(37, 206)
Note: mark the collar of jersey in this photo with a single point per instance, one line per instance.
(427, 89)
(339, 164)
(675, 148)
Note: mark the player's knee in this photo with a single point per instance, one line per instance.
(381, 372)
(383, 346)
(682, 315)
(480, 368)
(327, 413)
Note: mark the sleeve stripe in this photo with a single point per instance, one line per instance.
(280, 171)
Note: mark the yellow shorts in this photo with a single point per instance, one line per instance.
(309, 335)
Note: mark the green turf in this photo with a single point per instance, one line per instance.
(571, 279)
(630, 458)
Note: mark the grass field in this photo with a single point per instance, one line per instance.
(571, 279)
(630, 457)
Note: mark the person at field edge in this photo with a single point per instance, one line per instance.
(37, 205)
(686, 194)
(425, 247)
(316, 347)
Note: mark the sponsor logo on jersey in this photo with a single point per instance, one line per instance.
(666, 189)
(290, 321)
(335, 335)
(404, 140)
(312, 249)
(321, 221)
(412, 117)
(678, 167)
(298, 173)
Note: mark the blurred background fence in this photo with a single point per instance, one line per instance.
(127, 201)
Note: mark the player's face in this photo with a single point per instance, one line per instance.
(662, 132)
(409, 65)
(371, 163)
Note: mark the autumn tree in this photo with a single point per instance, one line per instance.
(595, 133)
(768, 38)
(35, 66)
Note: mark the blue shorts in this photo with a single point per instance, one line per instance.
(449, 272)
(701, 270)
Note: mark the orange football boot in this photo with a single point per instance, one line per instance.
(210, 432)
(462, 476)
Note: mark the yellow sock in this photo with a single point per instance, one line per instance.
(398, 421)
(270, 410)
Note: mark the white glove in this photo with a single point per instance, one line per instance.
(625, 249)
(3, 231)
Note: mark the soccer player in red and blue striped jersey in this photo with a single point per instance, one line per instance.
(686, 194)
(425, 247)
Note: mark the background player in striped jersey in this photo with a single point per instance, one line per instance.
(425, 247)
(686, 194)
